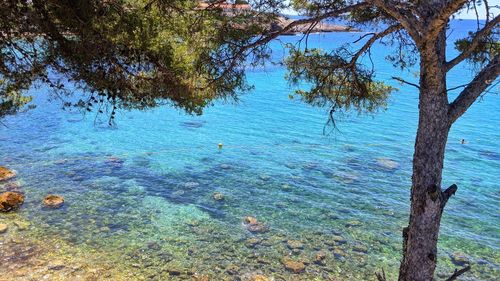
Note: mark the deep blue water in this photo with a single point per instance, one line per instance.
(276, 164)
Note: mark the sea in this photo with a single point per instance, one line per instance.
(164, 195)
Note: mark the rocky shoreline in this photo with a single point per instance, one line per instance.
(320, 27)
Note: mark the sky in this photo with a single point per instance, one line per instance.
(481, 11)
(471, 14)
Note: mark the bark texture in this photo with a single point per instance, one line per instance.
(427, 201)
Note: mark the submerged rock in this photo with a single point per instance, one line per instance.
(259, 277)
(281, 205)
(10, 201)
(293, 266)
(286, 187)
(459, 259)
(257, 228)
(217, 196)
(233, 269)
(3, 228)
(387, 163)
(336, 240)
(174, 271)
(346, 177)
(191, 184)
(225, 166)
(53, 201)
(310, 166)
(332, 216)
(12, 186)
(115, 162)
(294, 244)
(57, 265)
(360, 249)
(253, 225)
(353, 223)
(339, 239)
(250, 220)
(22, 225)
(319, 257)
(201, 277)
(339, 253)
(264, 177)
(252, 242)
(6, 174)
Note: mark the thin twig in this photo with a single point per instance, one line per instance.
(405, 82)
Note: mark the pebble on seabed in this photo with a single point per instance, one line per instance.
(319, 257)
(294, 244)
(253, 225)
(459, 258)
(225, 166)
(353, 223)
(6, 174)
(3, 228)
(191, 184)
(387, 163)
(252, 242)
(293, 266)
(250, 220)
(53, 201)
(22, 225)
(217, 196)
(360, 249)
(259, 277)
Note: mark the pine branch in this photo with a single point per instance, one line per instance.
(264, 39)
(475, 88)
(373, 39)
(474, 43)
(405, 82)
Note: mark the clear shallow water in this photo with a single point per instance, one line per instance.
(151, 213)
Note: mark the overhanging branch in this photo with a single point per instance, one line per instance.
(290, 26)
(374, 38)
(474, 43)
(264, 39)
(475, 88)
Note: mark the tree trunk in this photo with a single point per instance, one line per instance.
(427, 201)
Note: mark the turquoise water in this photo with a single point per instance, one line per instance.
(142, 191)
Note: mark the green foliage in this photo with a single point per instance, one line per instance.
(335, 82)
(124, 53)
(11, 100)
(486, 50)
(142, 53)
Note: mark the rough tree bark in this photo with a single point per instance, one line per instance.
(427, 201)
